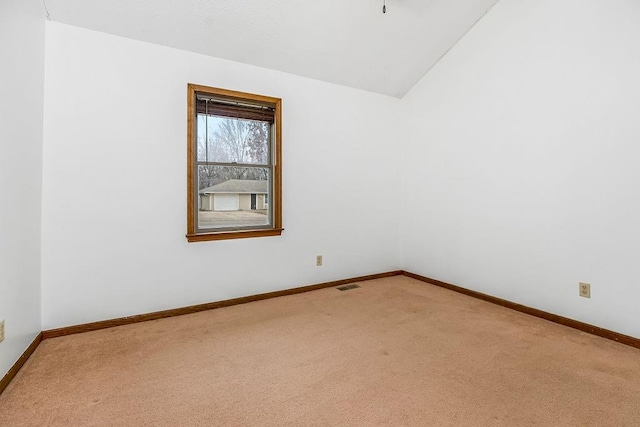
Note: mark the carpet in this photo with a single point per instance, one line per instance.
(394, 351)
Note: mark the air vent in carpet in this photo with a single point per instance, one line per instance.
(347, 287)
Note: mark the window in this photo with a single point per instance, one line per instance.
(234, 165)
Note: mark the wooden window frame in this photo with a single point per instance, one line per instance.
(275, 229)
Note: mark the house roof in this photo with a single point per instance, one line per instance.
(241, 186)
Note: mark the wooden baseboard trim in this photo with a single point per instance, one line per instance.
(581, 326)
(20, 362)
(52, 333)
(93, 326)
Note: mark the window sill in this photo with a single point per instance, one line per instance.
(228, 235)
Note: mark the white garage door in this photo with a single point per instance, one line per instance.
(225, 202)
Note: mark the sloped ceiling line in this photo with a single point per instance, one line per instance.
(346, 43)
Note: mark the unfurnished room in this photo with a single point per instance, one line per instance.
(373, 212)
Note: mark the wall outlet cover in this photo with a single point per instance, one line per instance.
(585, 290)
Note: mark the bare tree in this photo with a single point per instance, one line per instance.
(233, 141)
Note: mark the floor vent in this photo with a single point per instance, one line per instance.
(347, 287)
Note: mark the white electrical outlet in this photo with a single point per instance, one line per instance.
(319, 260)
(1, 330)
(585, 290)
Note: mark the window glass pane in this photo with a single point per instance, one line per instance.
(233, 197)
(228, 140)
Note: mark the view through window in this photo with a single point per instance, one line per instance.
(234, 165)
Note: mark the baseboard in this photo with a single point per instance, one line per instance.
(52, 333)
(93, 326)
(20, 362)
(581, 326)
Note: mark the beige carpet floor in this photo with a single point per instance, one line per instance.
(393, 352)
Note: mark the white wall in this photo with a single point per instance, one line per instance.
(115, 127)
(21, 94)
(519, 171)
(522, 176)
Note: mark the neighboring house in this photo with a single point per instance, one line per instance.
(235, 195)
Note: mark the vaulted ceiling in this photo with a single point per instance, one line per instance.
(350, 43)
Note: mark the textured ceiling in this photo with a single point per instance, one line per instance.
(349, 43)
